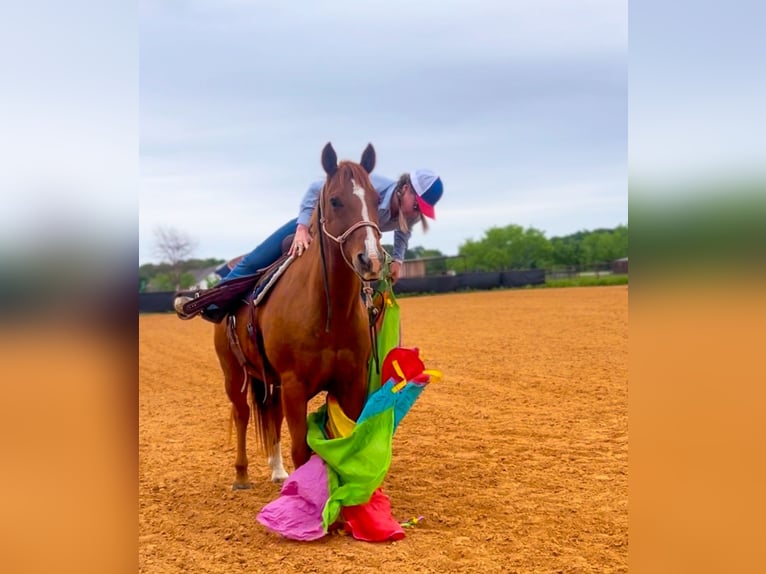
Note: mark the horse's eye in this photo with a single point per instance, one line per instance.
(335, 202)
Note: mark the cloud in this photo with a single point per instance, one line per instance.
(238, 98)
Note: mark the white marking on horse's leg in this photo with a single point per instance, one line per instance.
(370, 243)
(278, 473)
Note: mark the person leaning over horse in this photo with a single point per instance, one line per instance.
(403, 203)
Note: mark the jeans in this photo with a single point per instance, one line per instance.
(264, 254)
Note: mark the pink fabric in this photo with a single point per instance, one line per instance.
(297, 513)
(372, 522)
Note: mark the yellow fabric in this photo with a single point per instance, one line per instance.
(338, 424)
(434, 376)
(398, 370)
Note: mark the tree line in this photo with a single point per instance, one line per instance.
(171, 277)
(513, 247)
(500, 248)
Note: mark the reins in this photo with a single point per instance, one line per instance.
(372, 315)
(367, 287)
(324, 263)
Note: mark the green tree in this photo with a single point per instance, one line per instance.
(510, 247)
(589, 247)
(160, 277)
(173, 247)
(567, 250)
(169, 282)
(163, 282)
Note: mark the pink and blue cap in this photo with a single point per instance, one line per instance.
(428, 189)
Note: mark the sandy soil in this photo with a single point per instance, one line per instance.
(517, 460)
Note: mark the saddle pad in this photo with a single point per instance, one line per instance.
(269, 278)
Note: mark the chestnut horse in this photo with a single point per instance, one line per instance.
(312, 331)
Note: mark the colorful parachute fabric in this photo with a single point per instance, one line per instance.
(342, 479)
(297, 513)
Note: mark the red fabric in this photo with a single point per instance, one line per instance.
(372, 522)
(409, 362)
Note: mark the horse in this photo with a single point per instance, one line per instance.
(312, 331)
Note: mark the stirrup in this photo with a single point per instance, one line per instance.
(214, 315)
(178, 305)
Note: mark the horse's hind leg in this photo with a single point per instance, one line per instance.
(278, 472)
(270, 422)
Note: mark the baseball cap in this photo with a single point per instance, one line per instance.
(428, 188)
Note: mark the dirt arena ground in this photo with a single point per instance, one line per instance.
(517, 460)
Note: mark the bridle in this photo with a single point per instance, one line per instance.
(340, 239)
(367, 289)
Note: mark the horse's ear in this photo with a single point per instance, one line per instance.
(329, 159)
(368, 158)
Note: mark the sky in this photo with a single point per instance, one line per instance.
(520, 107)
(117, 117)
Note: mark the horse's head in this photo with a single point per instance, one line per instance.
(349, 212)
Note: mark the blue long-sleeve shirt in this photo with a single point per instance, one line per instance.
(385, 188)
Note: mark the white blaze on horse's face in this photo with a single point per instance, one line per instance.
(370, 243)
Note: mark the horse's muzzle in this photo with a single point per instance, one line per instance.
(369, 268)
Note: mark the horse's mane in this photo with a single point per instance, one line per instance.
(347, 170)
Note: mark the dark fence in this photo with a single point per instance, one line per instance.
(571, 271)
(477, 281)
(160, 302)
(156, 302)
(522, 278)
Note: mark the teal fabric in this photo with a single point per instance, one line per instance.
(404, 399)
(385, 398)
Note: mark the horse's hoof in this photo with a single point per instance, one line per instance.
(242, 486)
(279, 477)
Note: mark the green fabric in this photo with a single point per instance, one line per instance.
(388, 336)
(356, 464)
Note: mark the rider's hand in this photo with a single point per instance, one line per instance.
(395, 270)
(301, 241)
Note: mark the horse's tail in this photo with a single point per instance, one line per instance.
(265, 407)
(264, 413)
(265, 402)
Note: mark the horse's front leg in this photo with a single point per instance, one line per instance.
(350, 387)
(240, 412)
(294, 406)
